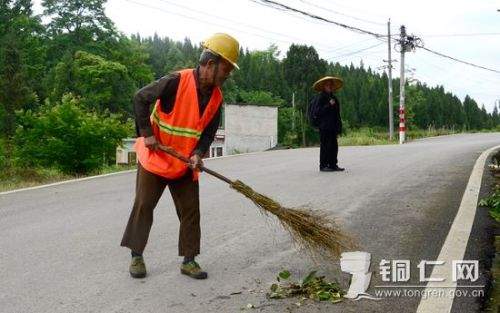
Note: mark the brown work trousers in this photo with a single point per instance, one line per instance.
(148, 190)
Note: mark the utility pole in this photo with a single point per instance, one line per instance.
(402, 129)
(391, 113)
(407, 44)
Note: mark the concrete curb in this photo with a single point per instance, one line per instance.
(456, 243)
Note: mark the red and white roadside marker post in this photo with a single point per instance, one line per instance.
(402, 128)
(402, 88)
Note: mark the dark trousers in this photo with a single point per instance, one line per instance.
(148, 190)
(329, 149)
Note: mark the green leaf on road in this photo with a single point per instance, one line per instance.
(284, 274)
(312, 287)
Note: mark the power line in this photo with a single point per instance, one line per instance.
(457, 60)
(213, 23)
(356, 52)
(239, 30)
(363, 55)
(239, 23)
(362, 11)
(352, 44)
(339, 13)
(277, 5)
(463, 35)
(280, 6)
(478, 83)
(283, 7)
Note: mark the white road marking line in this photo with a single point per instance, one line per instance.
(115, 173)
(64, 182)
(456, 241)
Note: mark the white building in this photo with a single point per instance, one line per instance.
(126, 153)
(244, 128)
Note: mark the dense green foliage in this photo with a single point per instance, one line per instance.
(80, 52)
(2, 153)
(67, 137)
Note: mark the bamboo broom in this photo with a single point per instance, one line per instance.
(309, 229)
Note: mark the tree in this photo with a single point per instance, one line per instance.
(495, 117)
(415, 108)
(133, 56)
(21, 60)
(77, 25)
(258, 97)
(472, 114)
(68, 137)
(302, 67)
(99, 83)
(81, 20)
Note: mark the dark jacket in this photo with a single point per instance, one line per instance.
(329, 113)
(165, 89)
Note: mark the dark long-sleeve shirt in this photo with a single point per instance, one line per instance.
(329, 113)
(165, 89)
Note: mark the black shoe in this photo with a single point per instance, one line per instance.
(337, 169)
(326, 169)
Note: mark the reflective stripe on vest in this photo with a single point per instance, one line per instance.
(170, 129)
(180, 129)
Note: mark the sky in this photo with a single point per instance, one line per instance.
(437, 23)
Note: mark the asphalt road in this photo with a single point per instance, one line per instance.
(59, 246)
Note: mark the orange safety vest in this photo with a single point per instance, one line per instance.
(180, 129)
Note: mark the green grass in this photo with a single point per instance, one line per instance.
(15, 178)
(368, 136)
(492, 202)
(493, 301)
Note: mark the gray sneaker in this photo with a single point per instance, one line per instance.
(137, 267)
(193, 270)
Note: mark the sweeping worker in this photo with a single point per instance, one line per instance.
(329, 121)
(185, 117)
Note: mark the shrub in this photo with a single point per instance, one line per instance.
(67, 137)
(3, 157)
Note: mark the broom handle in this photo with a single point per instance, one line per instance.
(179, 156)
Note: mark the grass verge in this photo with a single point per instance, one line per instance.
(15, 178)
(369, 136)
(493, 204)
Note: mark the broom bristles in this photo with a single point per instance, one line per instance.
(309, 229)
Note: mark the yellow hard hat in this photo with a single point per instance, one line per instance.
(337, 83)
(225, 46)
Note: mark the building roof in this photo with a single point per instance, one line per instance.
(253, 104)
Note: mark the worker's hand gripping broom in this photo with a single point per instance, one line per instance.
(309, 229)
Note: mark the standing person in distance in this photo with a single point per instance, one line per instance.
(326, 115)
